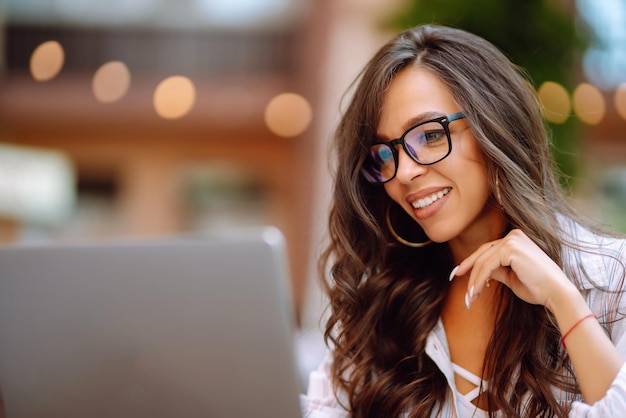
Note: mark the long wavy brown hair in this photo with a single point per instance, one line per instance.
(385, 298)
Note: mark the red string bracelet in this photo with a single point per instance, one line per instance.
(574, 326)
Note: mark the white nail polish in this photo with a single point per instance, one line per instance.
(453, 273)
(467, 302)
(471, 293)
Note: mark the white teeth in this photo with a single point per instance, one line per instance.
(429, 200)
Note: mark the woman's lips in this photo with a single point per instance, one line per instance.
(430, 199)
(430, 204)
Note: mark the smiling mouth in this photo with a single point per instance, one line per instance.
(429, 200)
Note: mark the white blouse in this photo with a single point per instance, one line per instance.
(606, 272)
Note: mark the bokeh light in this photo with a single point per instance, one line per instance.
(47, 61)
(288, 114)
(589, 104)
(174, 97)
(555, 101)
(111, 82)
(620, 100)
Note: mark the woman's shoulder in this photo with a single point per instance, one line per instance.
(601, 255)
(589, 233)
(596, 261)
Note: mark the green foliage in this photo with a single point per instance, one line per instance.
(538, 35)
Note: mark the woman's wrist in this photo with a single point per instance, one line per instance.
(568, 306)
(563, 294)
(573, 327)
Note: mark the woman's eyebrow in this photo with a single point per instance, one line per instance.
(420, 118)
(408, 124)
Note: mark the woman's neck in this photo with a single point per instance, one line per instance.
(491, 226)
(468, 331)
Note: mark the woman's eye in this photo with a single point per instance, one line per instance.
(433, 137)
(384, 154)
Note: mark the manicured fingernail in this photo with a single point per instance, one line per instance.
(467, 301)
(471, 294)
(453, 273)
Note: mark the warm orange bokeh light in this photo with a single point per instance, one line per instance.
(174, 97)
(46, 61)
(288, 115)
(555, 101)
(620, 100)
(589, 104)
(111, 82)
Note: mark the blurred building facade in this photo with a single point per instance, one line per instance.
(225, 163)
(142, 175)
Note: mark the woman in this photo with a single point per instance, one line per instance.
(461, 282)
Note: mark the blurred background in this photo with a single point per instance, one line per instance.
(145, 118)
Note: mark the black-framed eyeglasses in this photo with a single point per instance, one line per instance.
(426, 143)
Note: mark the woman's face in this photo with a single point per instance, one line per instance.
(457, 185)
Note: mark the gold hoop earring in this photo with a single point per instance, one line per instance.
(398, 237)
(498, 196)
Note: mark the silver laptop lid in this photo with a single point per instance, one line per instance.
(187, 327)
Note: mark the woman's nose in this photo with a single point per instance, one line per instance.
(408, 169)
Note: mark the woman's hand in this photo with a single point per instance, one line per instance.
(518, 263)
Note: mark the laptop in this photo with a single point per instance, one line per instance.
(183, 327)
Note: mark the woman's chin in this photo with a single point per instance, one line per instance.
(438, 236)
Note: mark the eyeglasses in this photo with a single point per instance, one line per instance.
(426, 143)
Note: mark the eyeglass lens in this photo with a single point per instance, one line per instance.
(426, 144)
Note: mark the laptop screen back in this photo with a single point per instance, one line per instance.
(186, 327)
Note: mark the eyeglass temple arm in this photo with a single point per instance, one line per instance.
(455, 116)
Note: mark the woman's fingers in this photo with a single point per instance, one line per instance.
(468, 263)
(517, 262)
(480, 264)
(488, 265)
